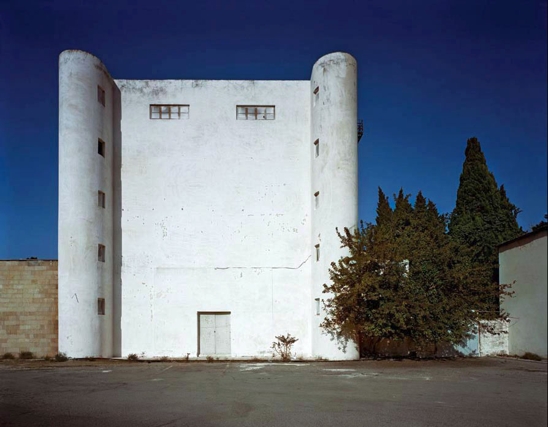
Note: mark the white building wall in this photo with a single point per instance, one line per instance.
(215, 215)
(333, 92)
(525, 262)
(82, 223)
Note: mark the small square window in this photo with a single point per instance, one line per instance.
(317, 148)
(101, 147)
(316, 200)
(317, 252)
(101, 306)
(101, 199)
(101, 253)
(101, 95)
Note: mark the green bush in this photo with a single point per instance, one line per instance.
(7, 356)
(133, 357)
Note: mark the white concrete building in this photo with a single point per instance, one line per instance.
(198, 216)
(524, 263)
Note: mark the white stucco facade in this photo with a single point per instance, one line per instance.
(207, 216)
(523, 263)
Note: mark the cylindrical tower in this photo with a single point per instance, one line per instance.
(85, 205)
(334, 192)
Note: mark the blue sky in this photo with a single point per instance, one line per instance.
(432, 73)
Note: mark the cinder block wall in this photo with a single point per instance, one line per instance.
(28, 307)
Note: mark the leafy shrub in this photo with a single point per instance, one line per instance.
(531, 356)
(61, 357)
(133, 357)
(26, 355)
(210, 359)
(283, 346)
(7, 356)
(48, 358)
(164, 359)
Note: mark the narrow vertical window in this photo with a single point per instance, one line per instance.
(101, 95)
(317, 252)
(101, 147)
(317, 301)
(101, 306)
(100, 199)
(317, 148)
(316, 96)
(316, 200)
(101, 253)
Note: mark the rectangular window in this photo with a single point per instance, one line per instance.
(170, 111)
(101, 95)
(316, 200)
(101, 253)
(101, 306)
(317, 252)
(316, 96)
(101, 147)
(317, 148)
(255, 112)
(317, 300)
(101, 199)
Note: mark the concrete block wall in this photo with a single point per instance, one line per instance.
(28, 307)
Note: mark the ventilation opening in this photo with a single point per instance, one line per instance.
(101, 306)
(101, 253)
(317, 148)
(316, 96)
(316, 200)
(317, 301)
(101, 95)
(101, 147)
(317, 252)
(101, 199)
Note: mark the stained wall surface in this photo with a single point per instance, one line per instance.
(215, 215)
(28, 307)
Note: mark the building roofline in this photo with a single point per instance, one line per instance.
(531, 235)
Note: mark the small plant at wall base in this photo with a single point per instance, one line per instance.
(26, 355)
(283, 346)
(210, 359)
(61, 357)
(531, 356)
(7, 356)
(133, 357)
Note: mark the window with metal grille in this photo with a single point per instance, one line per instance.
(169, 112)
(255, 112)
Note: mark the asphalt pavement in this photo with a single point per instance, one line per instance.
(491, 392)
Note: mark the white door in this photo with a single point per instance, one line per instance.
(215, 334)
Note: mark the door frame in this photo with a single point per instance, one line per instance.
(198, 322)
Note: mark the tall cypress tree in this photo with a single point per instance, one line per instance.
(483, 216)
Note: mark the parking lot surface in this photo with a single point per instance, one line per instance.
(492, 392)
